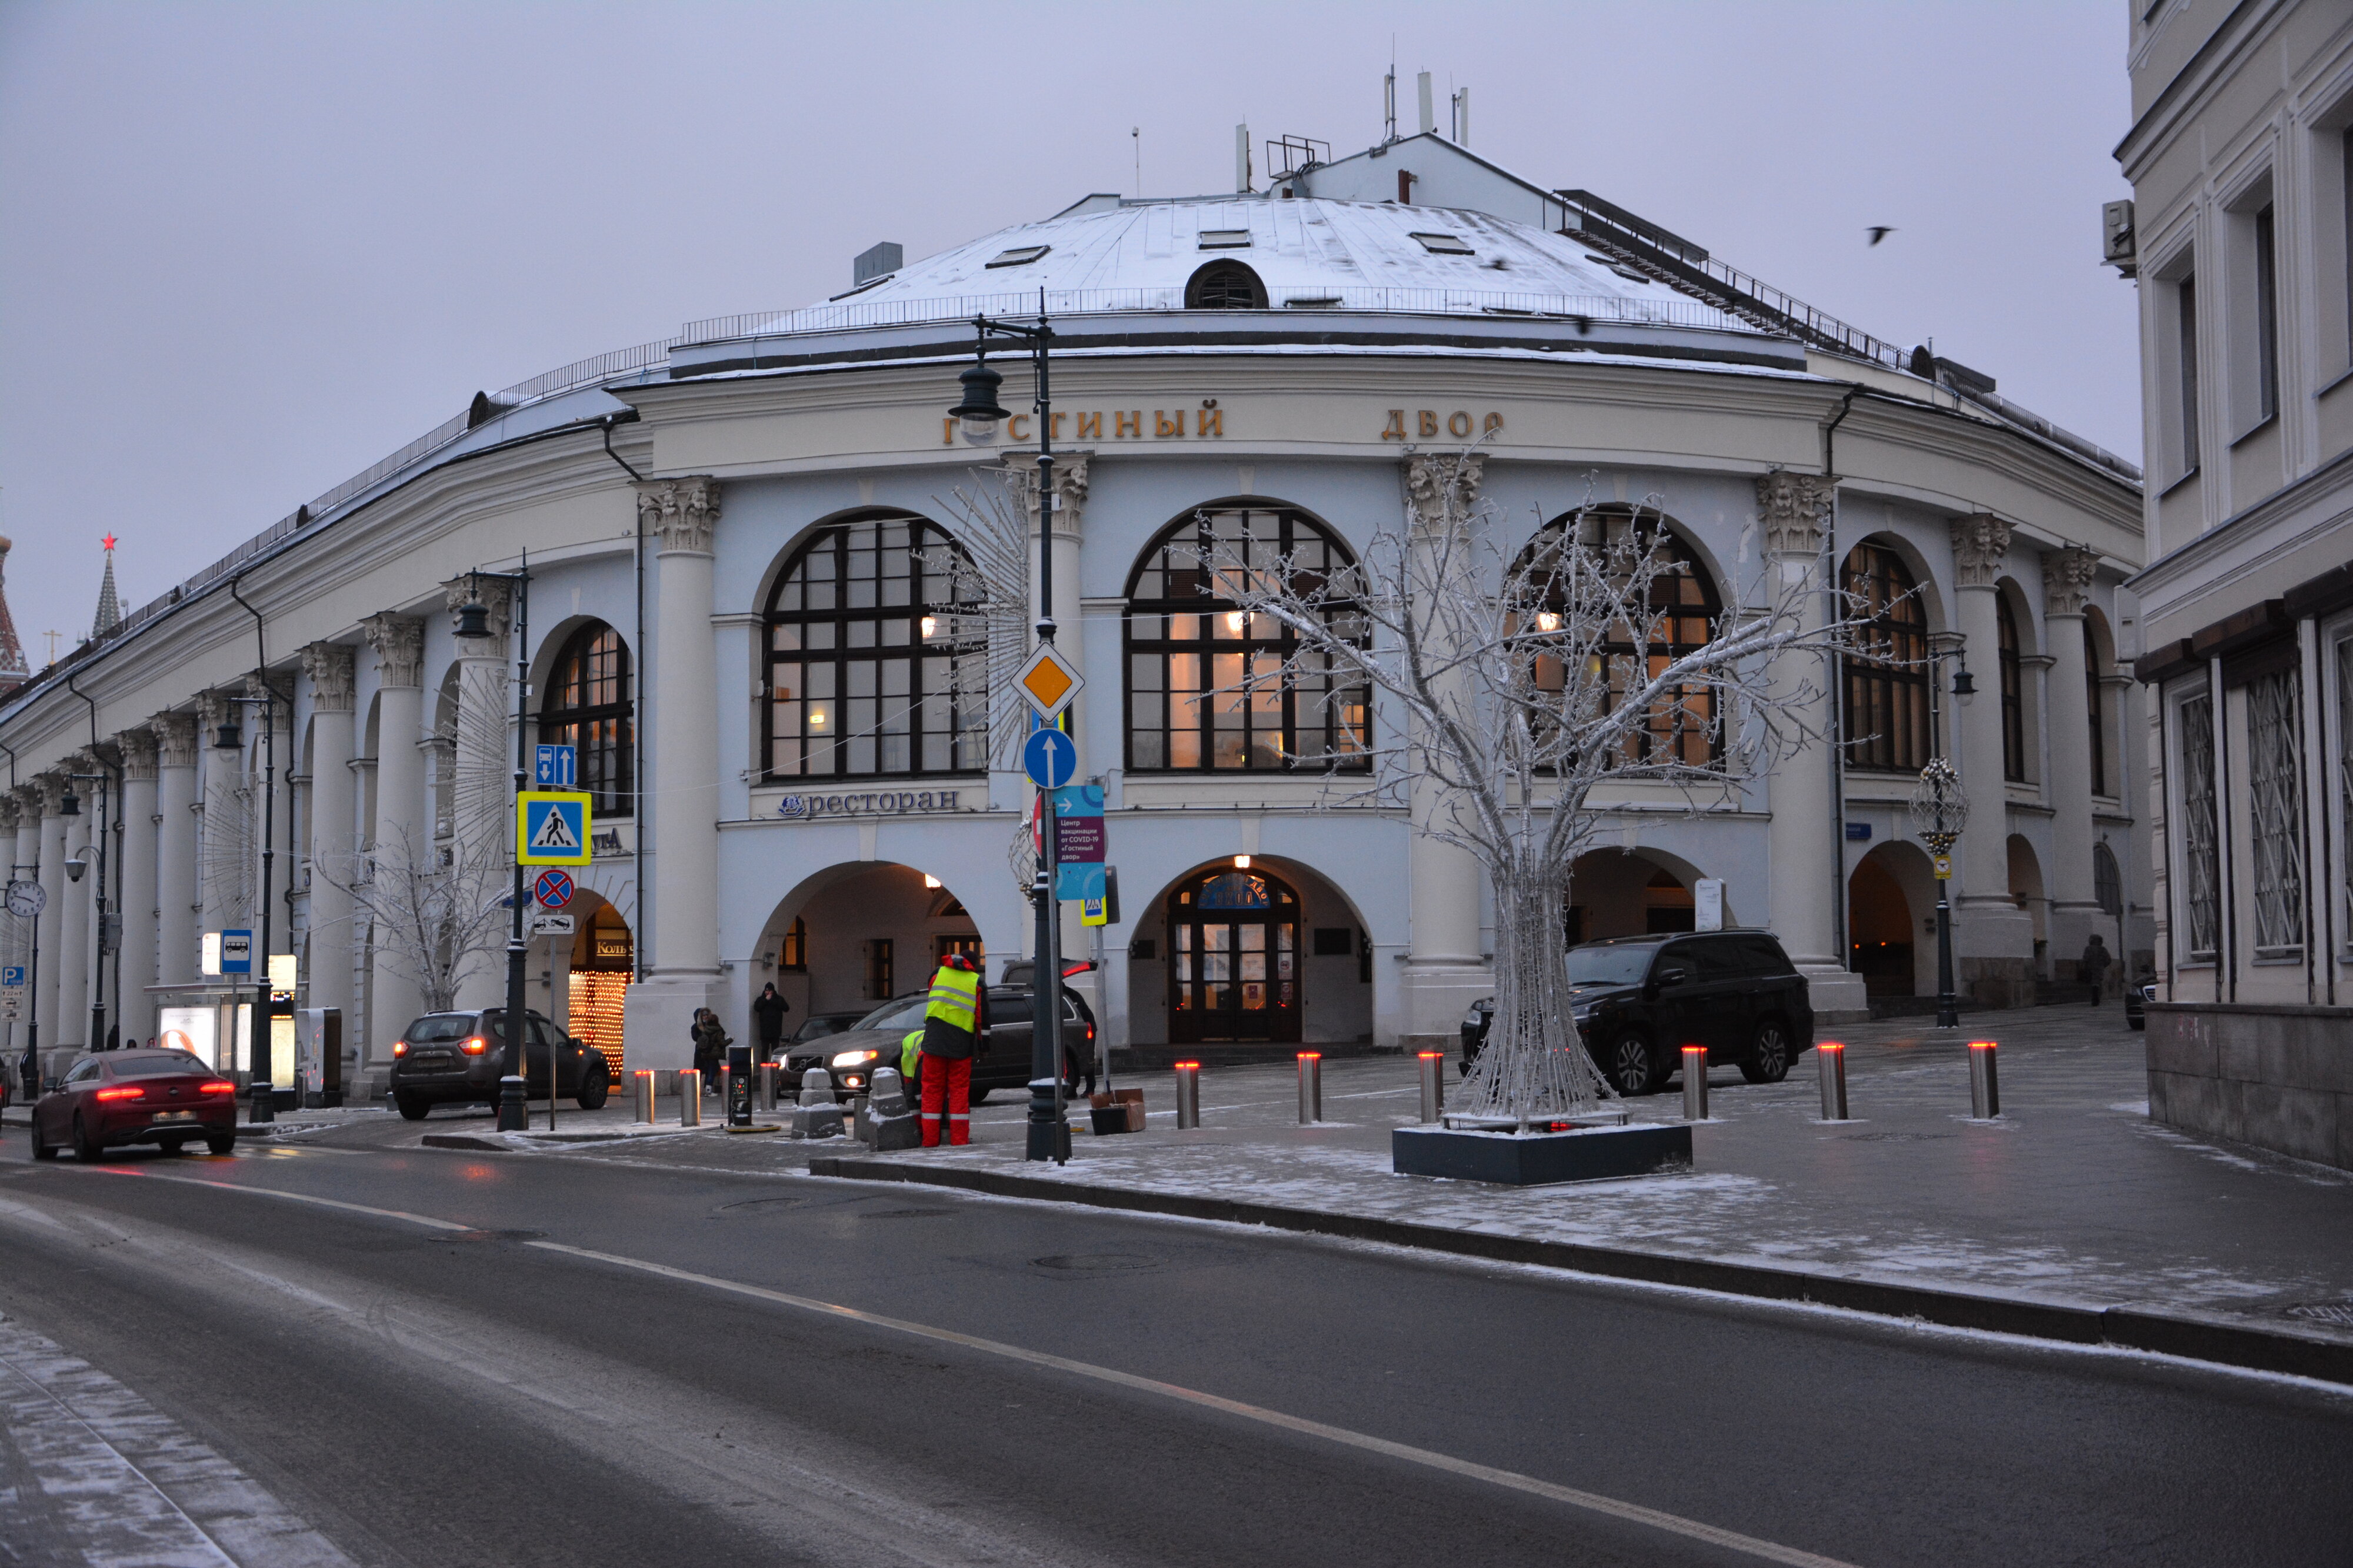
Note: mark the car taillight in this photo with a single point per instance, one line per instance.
(400, 1047)
(217, 1086)
(128, 1091)
(475, 1046)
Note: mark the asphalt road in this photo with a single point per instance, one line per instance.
(579, 1363)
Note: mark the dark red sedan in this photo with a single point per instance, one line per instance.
(136, 1097)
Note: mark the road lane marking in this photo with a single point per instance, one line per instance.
(1674, 1524)
(290, 1197)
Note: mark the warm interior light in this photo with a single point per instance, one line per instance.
(1241, 862)
(930, 627)
(1547, 620)
(817, 717)
(930, 880)
(1234, 622)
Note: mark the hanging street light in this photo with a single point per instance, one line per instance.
(978, 414)
(1939, 812)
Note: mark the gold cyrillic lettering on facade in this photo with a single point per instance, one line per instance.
(1213, 422)
(947, 431)
(1495, 423)
(1126, 424)
(1458, 424)
(1427, 422)
(1393, 431)
(1090, 426)
(1013, 428)
(1055, 420)
(1165, 427)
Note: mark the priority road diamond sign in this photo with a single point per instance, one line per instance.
(552, 827)
(1048, 682)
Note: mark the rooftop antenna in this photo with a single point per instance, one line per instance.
(1136, 134)
(1429, 110)
(1389, 97)
(1461, 137)
(1242, 172)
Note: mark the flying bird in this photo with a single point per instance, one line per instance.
(1878, 232)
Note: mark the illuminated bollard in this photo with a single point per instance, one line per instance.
(1311, 1087)
(1695, 1083)
(1433, 1085)
(690, 1098)
(768, 1086)
(1188, 1094)
(1830, 1060)
(644, 1080)
(726, 1095)
(1985, 1086)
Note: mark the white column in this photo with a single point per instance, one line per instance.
(137, 956)
(72, 949)
(400, 826)
(1806, 854)
(682, 789)
(1993, 939)
(1444, 970)
(177, 957)
(1096, 753)
(24, 808)
(330, 668)
(2075, 911)
(52, 925)
(222, 894)
(482, 768)
(274, 766)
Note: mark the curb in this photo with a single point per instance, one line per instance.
(2198, 1336)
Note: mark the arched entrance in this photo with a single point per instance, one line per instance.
(1233, 958)
(858, 934)
(1628, 892)
(596, 985)
(1891, 920)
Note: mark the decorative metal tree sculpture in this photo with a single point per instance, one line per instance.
(1939, 813)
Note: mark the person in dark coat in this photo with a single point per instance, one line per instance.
(2092, 967)
(711, 1043)
(768, 1010)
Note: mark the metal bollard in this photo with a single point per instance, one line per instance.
(1830, 1060)
(514, 1110)
(1695, 1083)
(1985, 1088)
(644, 1080)
(690, 1098)
(1433, 1085)
(1188, 1094)
(727, 1098)
(768, 1086)
(1311, 1087)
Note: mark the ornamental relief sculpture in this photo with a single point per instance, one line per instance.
(1980, 545)
(1020, 476)
(399, 644)
(1442, 484)
(1795, 510)
(329, 668)
(2067, 577)
(681, 512)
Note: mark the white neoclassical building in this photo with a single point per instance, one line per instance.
(738, 613)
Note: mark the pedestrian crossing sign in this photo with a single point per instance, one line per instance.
(552, 827)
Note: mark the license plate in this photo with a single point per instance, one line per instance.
(176, 1116)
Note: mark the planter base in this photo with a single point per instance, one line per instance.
(1532, 1159)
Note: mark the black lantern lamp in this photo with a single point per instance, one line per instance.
(978, 413)
(228, 737)
(473, 615)
(1964, 685)
(71, 804)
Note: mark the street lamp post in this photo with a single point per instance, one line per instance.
(474, 624)
(978, 416)
(258, 1032)
(1939, 812)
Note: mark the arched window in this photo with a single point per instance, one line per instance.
(1225, 286)
(587, 706)
(877, 663)
(1886, 664)
(1205, 688)
(1676, 620)
(1233, 958)
(2107, 881)
(2093, 709)
(2013, 690)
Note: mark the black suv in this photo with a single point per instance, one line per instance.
(1638, 1000)
(1003, 1062)
(445, 1059)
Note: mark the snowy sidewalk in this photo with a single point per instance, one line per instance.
(2071, 1197)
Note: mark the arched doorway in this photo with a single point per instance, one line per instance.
(860, 933)
(596, 985)
(1879, 930)
(1628, 892)
(1233, 958)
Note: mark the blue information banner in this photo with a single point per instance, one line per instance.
(1079, 842)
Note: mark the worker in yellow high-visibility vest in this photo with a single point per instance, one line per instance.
(952, 1030)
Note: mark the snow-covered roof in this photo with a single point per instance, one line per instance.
(1115, 254)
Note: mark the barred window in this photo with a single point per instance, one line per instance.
(2202, 871)
(1677, 619)
(588, 707)
(876, 666)
(1886, 663)
(1206, 687)
(2013, 690)
(2276, 813)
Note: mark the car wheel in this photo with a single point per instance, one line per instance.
(42, 1148)
(87, 1150)
(410, 1107)
(222, 1144)
(594, 1087)
(1628, 1066)
(1768, 1054)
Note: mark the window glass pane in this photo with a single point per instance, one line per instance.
(2201, 872)
(2276, 813)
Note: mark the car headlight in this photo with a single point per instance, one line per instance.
(854, 1058)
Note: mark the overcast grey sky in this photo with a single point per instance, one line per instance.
(247, 249)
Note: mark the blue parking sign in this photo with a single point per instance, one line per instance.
(13, 974)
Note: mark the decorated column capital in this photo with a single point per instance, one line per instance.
(138, 747)
(1980, 547)
(1021, 476)
(2067, 576)
(681, 513)
(176, 739)
(399, 644)
(11, 810)
(28, 801)
(1442, 484)
(214, 709)
(332, 670)
(497, 595)
(1795, 510)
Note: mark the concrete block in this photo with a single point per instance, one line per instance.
(817, 1121)
(2177, 1046)
(1532, 1159)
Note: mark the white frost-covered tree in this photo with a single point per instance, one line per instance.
(1514, 678)
(436, 923)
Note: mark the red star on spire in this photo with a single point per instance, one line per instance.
(108, 542)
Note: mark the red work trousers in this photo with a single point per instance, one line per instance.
(947, 1095)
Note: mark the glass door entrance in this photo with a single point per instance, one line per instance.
(1233, 960)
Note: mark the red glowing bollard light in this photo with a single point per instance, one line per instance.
(1189, 1095)
(1311, 1087)
(1695, 1083)
(1432, 1066)
(1985, 1084)
(1829, 1058)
